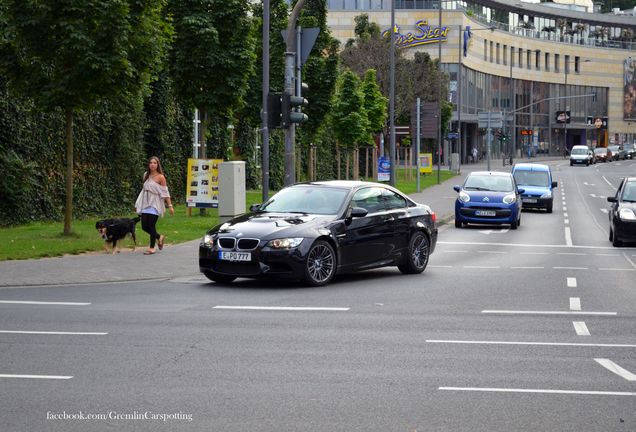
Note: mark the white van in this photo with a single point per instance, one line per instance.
(580, 154)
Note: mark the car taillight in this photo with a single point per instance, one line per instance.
(433, 217)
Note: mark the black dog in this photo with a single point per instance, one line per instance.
(113, 230)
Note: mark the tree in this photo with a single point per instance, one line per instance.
(70, 54)
(212, 56)
(350, 122)
(375, 105)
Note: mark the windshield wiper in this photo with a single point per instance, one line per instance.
(476, 188)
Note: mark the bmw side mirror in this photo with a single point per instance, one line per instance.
(254, 207)
(611, 199)
(457, 188)
(358, 212)
(554, 184)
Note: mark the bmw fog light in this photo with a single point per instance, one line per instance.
(627, 214)
(509, 199)
(285, 243)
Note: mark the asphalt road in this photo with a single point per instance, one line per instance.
(525, 330)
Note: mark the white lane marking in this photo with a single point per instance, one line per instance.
(528, 268)
(589, 184)
(604, 210)
(568, 236)
(568, 344)
(564, 204)
(617, 269)
(53, 333)
(529, 312)
(607, 255)
(565, 208)
(456, 251)
(491, 252)
(56, 377)
(565, 215)
(608, 182)
(526, 245)
(547, 391)
(501, 231)
(283, 308)
(570, 268)
(42, 303)
(567, 221)
(482, 267)
(571, 282)
(581, 328)
(575, 303)
(630, 261)
(571, 253)
(534, 253)
(613, 367)
(593, 195)
(440, 266)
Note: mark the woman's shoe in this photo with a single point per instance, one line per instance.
(150, 252)
(160, 242)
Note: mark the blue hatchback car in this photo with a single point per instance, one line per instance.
(538, 184)
(488, 197)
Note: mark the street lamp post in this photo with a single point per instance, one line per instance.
(566, 69)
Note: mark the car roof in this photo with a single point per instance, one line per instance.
(493, 173)
(530, 167)
(347, 184)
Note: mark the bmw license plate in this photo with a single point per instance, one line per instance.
(485, 213)
(235, 256)
(529, 200)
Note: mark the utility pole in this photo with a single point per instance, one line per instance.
(265, 85)
(392, 180)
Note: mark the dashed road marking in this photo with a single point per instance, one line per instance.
(56, 333)
(571, 282)
(548, 391)
(580, 328)
(54, 377)
(531, 312)
(284, 308)
(575, 303)
(24, 302)
(613, 367)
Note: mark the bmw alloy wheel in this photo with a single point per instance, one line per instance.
(320, 266)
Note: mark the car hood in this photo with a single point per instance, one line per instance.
(627, 205)
(493, 197)
(534, 190)
(270, 225)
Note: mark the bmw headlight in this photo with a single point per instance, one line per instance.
(547, 195)
(627, 214)
(285, 243)
(509, 199)
(208, 240)
(464, 197)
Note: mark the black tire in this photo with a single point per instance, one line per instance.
(458, 224)
(571, 163)
(615, 241)
(417, 254)
(515, 224)
(320, 265)
(549, 208)
(215, 277)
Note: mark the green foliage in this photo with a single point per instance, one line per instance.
(365, 30)
(349, 120)
(375, 104)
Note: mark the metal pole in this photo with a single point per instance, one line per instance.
(511, 140)
(565, 125)
(265, 85)
(460, 148)
(439, 95)
(417, 146)
(392, 180)
(488, 142)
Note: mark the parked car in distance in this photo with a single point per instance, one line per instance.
(580, 154)
(630, 150)
(313, 231)
(622, 213)
(618, 152)
(488, 197)
(602, 155)
(537, 183)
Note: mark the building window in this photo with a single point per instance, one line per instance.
(556, 62)
(520, 57)
(537, 59)
(485, 50)
(512, 56)
(577, 64)
(566, 64)
(498, 47)
(547, 61)
(491, 51)
(505, 54)
(528, 59)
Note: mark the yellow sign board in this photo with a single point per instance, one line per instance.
(426, 163)
(203, 183)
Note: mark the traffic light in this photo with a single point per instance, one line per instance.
(290, 115)
(274, 113)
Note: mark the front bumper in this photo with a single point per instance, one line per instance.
(625, 230)
(503, 215)
(536, 202)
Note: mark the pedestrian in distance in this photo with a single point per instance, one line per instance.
(151, 202)
(474, 154)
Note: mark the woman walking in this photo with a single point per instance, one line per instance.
(151, 202)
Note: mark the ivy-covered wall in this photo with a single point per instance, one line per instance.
(111, 146)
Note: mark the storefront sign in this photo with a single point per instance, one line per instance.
(424, 34)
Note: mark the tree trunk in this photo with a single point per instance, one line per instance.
(347, 165)
(366, 164)
(68, 209)
(338, 159)
(356, 163)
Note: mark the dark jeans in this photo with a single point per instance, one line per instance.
(149, 224)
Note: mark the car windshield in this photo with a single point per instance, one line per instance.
(600, 150)
(579, 151)
(629, 192)
(532, 178)
(488, 183)
(306, 199)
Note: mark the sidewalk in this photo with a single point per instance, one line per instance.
(181, 260)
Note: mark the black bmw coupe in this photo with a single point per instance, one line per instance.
(313, 231)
